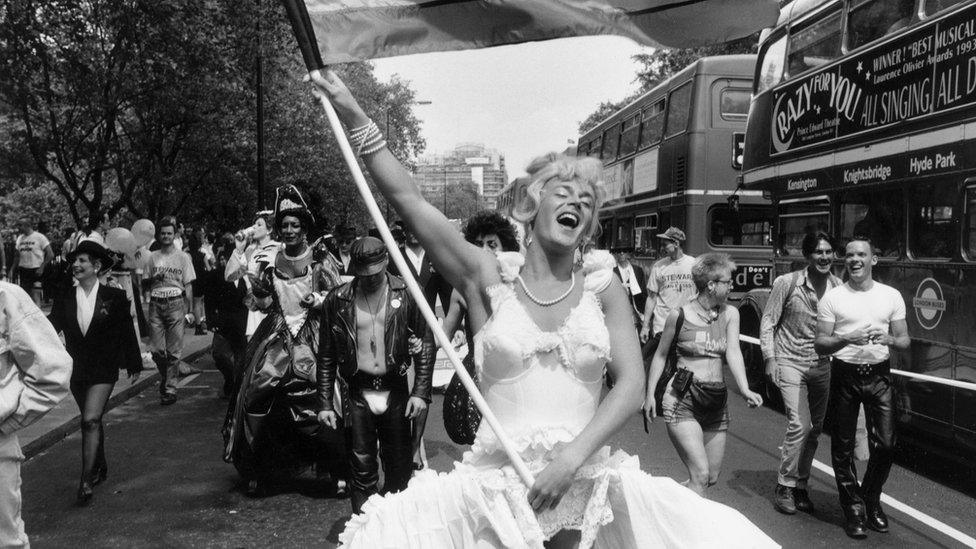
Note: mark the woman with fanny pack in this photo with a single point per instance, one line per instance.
(705, 335)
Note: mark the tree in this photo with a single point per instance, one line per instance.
(148, 107)
(663, 63)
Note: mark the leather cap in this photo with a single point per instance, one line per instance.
(368, 256)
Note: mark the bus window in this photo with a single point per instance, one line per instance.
(595, 146)
(796, 219)
(679, 110)
(628, 136)
(869, 20)
(970, 231)
(646, 229)
(933, 234)
(625, 232)
(749, 226)
(610, 139)
(935, 6)
(734, 103)
(875, 215)
(653, 124)
(815, 45)
(771, 65)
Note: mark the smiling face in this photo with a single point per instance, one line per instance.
(84, 268)
(859, 259)
(166, 235)
(565, 213)
(721, 286)
(291, 230)
(822, 257)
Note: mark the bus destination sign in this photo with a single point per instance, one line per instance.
(929, 70)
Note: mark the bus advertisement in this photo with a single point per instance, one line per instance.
(863, 122)
(673, 157)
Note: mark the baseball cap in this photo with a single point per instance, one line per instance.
(673, 233)
(368, 256)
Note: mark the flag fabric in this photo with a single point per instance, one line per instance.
(356, 30)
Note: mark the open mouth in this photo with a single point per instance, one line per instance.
(568, 219)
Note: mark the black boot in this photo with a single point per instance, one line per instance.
(802, 500)
(876, 518)
(784, 501)
(855, 521)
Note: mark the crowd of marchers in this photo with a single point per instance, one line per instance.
(328, 361)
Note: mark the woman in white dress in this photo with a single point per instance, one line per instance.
(545, 329)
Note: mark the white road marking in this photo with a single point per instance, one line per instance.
(183, 382)
(928, 520)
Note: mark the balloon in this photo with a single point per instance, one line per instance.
(144, 232)
(121, 240)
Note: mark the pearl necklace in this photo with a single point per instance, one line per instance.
(299, 257)
(551, 302)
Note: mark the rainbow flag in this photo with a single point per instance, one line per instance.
(356, 30)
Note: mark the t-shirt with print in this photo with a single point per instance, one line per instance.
(31, 249)
(177, 270)
(850, 309)
(671, 280)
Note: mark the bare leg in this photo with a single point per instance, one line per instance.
(419, 424)
(688, 440)
(715, 450)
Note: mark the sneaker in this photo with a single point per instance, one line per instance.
(801, 499)
(784, 501)
(167, 399)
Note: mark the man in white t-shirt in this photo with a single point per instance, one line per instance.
(33, 256)
(669, 286)
(857, 322)
(170, 300)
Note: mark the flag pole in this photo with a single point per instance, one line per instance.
(301, 25)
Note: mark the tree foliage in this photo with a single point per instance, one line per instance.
(148, 108)
(660, 64)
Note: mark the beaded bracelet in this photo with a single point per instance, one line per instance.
(367, 138)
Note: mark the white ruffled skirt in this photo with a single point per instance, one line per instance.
(483, 503)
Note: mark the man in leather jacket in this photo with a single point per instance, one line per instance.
(366, 325)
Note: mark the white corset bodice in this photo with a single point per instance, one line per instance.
(540, 383)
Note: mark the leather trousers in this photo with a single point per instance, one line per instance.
(853, 385)
(390, 432)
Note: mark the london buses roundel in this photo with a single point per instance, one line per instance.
(929, 303)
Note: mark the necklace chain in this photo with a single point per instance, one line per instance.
(550, 302)
(711, 314)
(372, 315)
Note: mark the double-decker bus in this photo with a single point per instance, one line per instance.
(672, 157)
(863, 122)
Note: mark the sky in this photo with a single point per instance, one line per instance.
(523, 100)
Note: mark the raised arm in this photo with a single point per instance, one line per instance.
(459, 262)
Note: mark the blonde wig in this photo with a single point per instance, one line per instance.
(586, 170)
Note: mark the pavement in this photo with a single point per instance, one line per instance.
(168, 486)
(65, 418)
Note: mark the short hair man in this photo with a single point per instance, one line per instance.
(857, 322)
(787, 331)
(34, 255)
(170, 300)
(669, 286)
(366, 325)
(34, 372)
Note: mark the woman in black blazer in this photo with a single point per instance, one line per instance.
(100, 337)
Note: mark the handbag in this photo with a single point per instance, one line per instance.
(670, 365)
(708, 399)
(461, 416)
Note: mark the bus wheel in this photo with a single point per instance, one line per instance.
(755, 367)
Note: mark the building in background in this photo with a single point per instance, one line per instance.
(469, 165)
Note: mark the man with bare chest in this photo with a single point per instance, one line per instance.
(366, 325)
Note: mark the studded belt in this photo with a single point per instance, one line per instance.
(865, 370)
